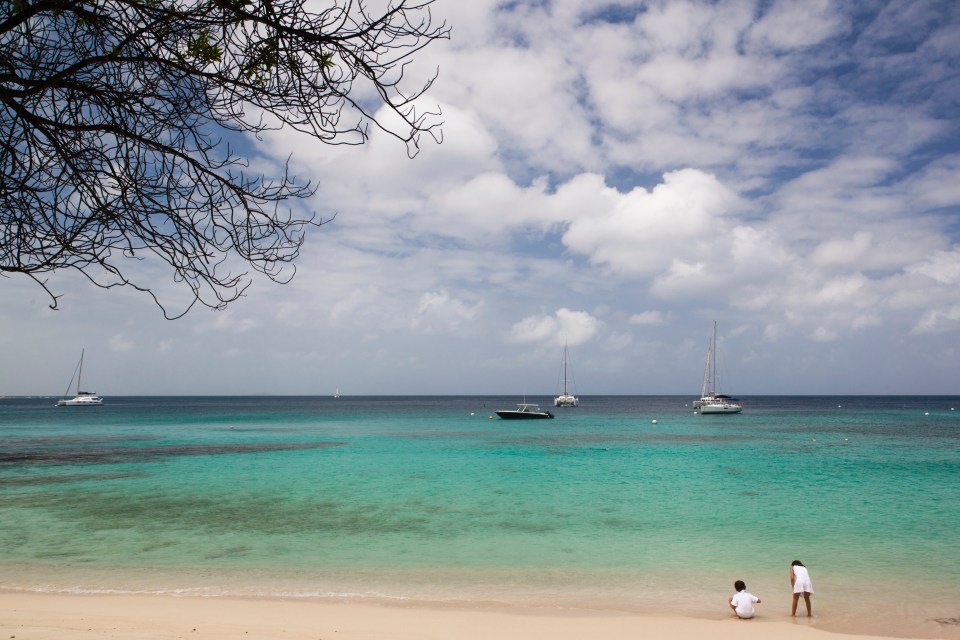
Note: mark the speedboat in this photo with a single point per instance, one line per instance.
(524, 411)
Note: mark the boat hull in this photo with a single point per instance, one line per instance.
(566, 401)
(512, 414)
(81, 401)
(707, 409)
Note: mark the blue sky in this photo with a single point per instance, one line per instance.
(613, 177)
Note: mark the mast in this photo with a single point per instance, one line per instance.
(706, 371)
(565, 370)
(80, 374)
(714, 358)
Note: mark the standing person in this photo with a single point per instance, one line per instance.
(800, 579)
(742, 601)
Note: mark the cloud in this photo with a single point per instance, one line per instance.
(120, 343)
(563, 327)
(642, 232)
(647, 318)
(943, 267)
(438, 311)
(787, 25)
(228, 321)
(939, 321)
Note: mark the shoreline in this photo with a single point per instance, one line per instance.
(42, 616)
(849, 605)
(62, 616)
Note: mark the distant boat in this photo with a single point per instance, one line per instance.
(566, 399)
(524, 411)
(83, 398)
(711, 400)
(336, 394)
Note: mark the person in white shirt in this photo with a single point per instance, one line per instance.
(800, 579)
(742, 601)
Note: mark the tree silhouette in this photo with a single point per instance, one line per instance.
(113, 115)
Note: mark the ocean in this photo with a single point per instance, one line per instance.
(624, 503)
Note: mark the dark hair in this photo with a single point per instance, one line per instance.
(796, 563)
(739, 585)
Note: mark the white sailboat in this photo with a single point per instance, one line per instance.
(566, 399)
(711, 400)
(83, 398)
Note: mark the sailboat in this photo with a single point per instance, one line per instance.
(711, 400)
(83, 398)
(566, 399)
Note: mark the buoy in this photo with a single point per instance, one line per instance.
(654, 421)
(471, 413)
(926, 413)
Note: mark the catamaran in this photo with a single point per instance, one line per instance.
(566, 399)
(83, 398)
(711, 400)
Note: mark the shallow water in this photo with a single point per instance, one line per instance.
(436, 499)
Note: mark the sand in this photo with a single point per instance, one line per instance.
(35, 616)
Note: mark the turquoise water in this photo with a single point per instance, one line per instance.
(432, 499)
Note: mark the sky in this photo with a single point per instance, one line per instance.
(613, 177)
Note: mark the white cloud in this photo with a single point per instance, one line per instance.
(943, 267)
(564, 327)
(120, 343)
(647, 318)
(438, 311)
(643, 232)
(789, 25)
(228, 321)
(939, 321)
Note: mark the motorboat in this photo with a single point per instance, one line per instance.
(524, 411)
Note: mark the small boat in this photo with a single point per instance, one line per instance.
(566, 399)
(524, 411)
(83, 398)
(711, 400)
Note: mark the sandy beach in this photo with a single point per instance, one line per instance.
(32, 616)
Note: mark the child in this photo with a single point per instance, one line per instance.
(742, 602)
(800, 580)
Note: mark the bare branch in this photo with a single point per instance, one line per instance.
(111, 115)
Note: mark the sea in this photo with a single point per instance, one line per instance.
(625, 503)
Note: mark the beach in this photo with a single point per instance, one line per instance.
(82, 617)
